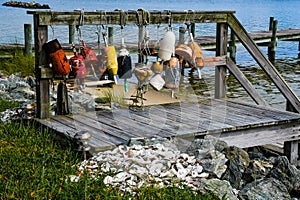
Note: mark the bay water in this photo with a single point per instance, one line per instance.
(253, 14)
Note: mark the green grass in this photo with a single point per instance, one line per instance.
(35, 165)
(19, 63)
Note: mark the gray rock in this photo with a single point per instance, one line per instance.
(287, 173)
(220, 188)
(264, 189)
(214, 163)
(201, 147)
(238, 161)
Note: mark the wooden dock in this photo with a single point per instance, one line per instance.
(239, 124)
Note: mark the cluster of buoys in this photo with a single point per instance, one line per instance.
(21, 4)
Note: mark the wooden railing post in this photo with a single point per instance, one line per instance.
(232, 47)
(42, 85)
(221, 49)
(28, 39)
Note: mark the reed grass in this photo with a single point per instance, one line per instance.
(18, 63)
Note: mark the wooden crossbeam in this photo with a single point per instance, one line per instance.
(139, 17)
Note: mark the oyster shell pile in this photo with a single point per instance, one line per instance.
(132, 167)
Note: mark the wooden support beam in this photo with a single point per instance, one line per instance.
(241, 78)
(264, 63)
(42, 86)
(47, 17)
(291, 150)
(221, 49)
(232, 47)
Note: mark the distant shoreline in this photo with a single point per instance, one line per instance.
(32, 5)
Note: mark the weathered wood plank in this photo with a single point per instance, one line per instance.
(261, 135)
(102, 141)
(120, 118)
(142, 17)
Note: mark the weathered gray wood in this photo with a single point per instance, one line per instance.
(245, 83)
(271, 23)
(232, 47)
(42, 87)
(261, 135)
(263, 62)
(237, 123)
(71, 34)
(273, 43)
(221, 49)
(111, 35)
(291, 150)
(113, 17)
(181, 35)
(28, 39)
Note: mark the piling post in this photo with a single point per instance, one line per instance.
(28, 39)
(291, 150)
(181, 35)
(71, 34)
(193, 29)
(110, 35)
(232, 47)
(271, 23)
(42, 84)
(220, 71)
(273, 43)
(299, 49)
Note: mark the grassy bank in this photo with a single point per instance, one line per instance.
(35, 165)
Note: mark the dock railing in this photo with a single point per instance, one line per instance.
(223, 19)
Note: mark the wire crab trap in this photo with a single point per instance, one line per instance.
(143, 74)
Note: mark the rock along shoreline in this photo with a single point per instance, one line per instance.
(20, 4)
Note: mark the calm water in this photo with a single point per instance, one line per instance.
(253, 14)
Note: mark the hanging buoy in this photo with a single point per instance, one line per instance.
(167, 46)
(197, 56)
(78, 66)
(124, 63)
(112, 62)
(57, 57)
(157, 68)
(172, 74)
(184, 52)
